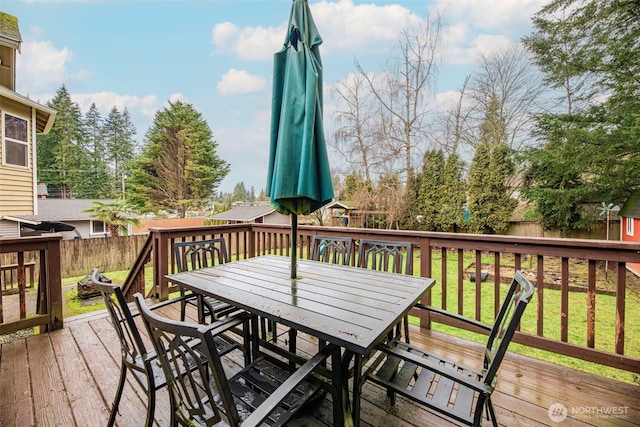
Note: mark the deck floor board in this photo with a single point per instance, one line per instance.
(69, 377)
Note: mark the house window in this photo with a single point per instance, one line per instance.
(98, 227)
(629, 226)
(15, 141)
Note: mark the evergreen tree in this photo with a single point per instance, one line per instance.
(429, 197)
(119, 132)
(590, 50)
(453, 195)
(179, 168)
(239, 193)
(99, 179)
(62, 162)
(490, 205)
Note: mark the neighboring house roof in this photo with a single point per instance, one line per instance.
(61, 210)
(244, 213)
(9, 31)
(631, 208)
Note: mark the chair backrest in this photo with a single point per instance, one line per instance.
(334, 250)
(200, 254)
(394, 257)
(188, 369)
(516, 300)
(130, 341)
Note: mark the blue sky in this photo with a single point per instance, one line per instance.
(217, 55)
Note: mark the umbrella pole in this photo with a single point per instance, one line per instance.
(294, 245)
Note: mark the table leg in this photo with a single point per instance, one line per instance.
(351, 417)
(255, 338)
(340, 391)
(357, 388)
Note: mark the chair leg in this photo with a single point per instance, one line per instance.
(151, 397)
(406, 329)
(491, 413)
(293, 334)
(183, 310)
(116, 400)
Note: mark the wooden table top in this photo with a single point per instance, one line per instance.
(348, 306)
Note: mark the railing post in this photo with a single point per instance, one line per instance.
(160, 264)
(425, 271)
(252, 242)
(53, 283)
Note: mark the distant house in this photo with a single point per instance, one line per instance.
(59, 215)
(630, 226)
(21, 119)
(262, 214)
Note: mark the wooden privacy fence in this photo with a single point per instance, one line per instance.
(44, 256)
(80, 256)
(569, 274)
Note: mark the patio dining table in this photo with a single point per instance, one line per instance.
(353, 308)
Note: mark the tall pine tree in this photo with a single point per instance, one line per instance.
(490, 205)
(179, 168)
(62, 161)
(99, 179)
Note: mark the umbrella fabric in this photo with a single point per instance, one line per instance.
(299, 179)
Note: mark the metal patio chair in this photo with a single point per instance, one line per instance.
(334, 250)
(267, 391)
(136, 357)
(393, 257)
(444, 385)
(195, 255)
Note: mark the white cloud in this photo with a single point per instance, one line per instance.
(482, 27)
(360, 29)
(174, 97)
(248, 43)
(105, 101)
(43, 66)
(345, 28)
(237, 82)
(490, 15)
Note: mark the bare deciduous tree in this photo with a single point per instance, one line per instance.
(401, 93)
(509, 78)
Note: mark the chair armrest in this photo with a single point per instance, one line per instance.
(435, 367)
(223, 325)
(268, 405)
(455, 316)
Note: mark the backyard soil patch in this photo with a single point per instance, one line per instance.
(578, 274)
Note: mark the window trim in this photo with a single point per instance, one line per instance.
(630, 226)
(15, 141)
(93, 231)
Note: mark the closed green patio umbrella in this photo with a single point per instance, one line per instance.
(299, 178)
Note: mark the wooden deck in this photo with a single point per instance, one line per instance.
(69, 377)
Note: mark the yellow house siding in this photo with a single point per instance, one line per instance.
(17, 195)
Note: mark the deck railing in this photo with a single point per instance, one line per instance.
(40, 256)
(571, 276)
